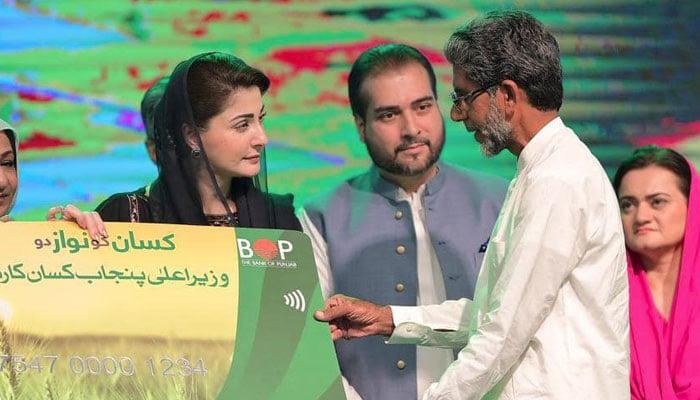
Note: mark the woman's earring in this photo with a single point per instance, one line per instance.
(196, 153)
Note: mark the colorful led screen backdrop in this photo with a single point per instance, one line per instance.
(72, 74)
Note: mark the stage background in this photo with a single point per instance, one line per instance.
(72, 74)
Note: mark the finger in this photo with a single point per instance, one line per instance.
(336, 332)
(337, 300)
(51, 214)
(95, 226)
(329, 314)
(331, 302)
(90, 224)
(334, 302)
(319, 315)
(72, 213)
(337, 335)
(100, 224)
(89, 220)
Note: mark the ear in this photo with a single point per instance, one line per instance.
(151, 149)
(513, 97)
(511, 92)
(508, 88)
(190, 136)
(360, 124)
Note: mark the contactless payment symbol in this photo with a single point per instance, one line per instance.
(295, 299)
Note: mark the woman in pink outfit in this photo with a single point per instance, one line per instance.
(659, 196)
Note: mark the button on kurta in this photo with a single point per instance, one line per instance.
(399, 287)
(400, 249)
(401, 364)
(399, 214)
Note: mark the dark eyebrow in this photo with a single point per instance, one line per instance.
(647, 197)
(395, 109)
(8, 153)
(248, 115)
(242, 116)
(651, 196)
(626, 198)
(379, 110)
(423, 99)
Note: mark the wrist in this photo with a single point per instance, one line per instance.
(386, 322)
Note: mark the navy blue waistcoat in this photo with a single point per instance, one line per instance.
(372, 252)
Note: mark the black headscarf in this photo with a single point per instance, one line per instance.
(173, 196)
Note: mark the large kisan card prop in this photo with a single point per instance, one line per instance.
(160, 311)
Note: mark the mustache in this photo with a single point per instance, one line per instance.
(405, 144)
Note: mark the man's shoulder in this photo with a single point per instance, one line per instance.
(469, 173)
(575, 166)
(579, 180)
(359, 182)
(473, 180)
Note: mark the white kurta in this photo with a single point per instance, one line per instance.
(549, 318)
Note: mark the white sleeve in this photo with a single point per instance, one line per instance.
(350, 392)
(435, 325)
(546, 242)
(320, 248)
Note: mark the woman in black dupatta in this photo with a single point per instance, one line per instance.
(210, 150)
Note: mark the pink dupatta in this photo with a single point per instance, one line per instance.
(666, 356)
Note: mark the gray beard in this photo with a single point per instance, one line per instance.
(497, 132)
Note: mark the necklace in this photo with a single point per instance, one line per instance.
(223, 220)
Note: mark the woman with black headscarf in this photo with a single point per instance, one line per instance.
(210, 150)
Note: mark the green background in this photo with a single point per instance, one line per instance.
(72, 74)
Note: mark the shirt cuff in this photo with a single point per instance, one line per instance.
(408, 333)
(409, 329)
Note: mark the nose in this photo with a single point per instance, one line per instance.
(4, 180)
(410, 125)
(642, 214)
(260, 138)
(456, 114)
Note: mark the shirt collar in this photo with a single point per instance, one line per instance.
(392, 191)
(534, 149)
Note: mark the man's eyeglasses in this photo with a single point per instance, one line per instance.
(469, 97)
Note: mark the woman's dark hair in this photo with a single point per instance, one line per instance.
(11, 137)
(148, 105)
(659, 156)
(213, 77)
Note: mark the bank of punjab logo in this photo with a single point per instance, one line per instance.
(296, 300)
(266, 253)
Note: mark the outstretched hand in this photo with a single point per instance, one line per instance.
(89, 220)
(351, 318)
